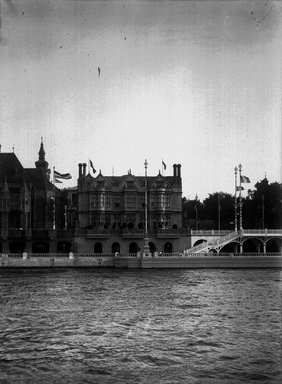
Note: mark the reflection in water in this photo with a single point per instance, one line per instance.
(109, 326)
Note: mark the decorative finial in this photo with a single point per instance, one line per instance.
(13, 148)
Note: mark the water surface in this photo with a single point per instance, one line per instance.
(152, 326)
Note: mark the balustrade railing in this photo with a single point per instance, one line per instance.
(137, 255)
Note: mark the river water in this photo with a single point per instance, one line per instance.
(134, 326)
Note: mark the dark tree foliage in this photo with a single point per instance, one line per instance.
(219, 207)
(262, 208)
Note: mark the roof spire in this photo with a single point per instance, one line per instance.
(41, 162)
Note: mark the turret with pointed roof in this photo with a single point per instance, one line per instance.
(41, 162)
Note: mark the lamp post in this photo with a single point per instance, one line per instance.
(262, 201)
(240, 197)
(218, 206)
(196, 213)
(235, 204)
(146, 239)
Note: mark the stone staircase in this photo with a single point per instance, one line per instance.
(215, 244)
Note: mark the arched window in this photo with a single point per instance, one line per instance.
(133, 248)
(40, 247)
(152, 247)
(115, 247)
(17, 246)
(98, 248)
(168, 247)
(63, 247)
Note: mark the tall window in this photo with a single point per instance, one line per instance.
(108, 201)
(154, 201)
(117, 201)
(167, 201)
(130, 202)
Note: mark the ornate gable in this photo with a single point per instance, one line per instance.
(130, 182)
(159, 182)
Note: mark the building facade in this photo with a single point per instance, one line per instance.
(111, 212)
(28, 202)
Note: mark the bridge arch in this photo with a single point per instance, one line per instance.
(273, 245)
(200, 241)
(232, 247)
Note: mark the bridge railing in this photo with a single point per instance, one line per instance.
(224, 239)
(262, 231)
(197, 247)
(213, 232)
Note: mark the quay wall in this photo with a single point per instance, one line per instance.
(57, 262)
(212, 261)
(147, 262)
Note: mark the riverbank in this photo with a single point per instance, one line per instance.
(164, 261)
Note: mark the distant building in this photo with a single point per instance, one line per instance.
(111, 212)
(27, 207)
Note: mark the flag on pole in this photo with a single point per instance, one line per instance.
(164, 165)
(240, 188)
(244, 179)
(92, 166)
(65, 176)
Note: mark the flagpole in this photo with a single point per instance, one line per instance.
(162, 167)
(240, 197)
(218, 201)
(146, 239)
(235, 206)
(54, 197)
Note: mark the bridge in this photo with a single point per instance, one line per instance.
(245, 240)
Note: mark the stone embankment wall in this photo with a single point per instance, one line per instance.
(145, 262)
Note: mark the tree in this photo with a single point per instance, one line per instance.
(219, 206)
(263, 206)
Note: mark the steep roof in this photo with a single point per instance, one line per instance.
(115, 181)
(10, 168)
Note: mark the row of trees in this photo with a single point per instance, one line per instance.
(262, 208)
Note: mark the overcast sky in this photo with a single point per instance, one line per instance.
(190, 82)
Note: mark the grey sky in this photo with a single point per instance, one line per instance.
(194, 82)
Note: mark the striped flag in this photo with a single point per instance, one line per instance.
(164, 165)
(245, 179)
(57, 181)
(58, 175)
(239, 188)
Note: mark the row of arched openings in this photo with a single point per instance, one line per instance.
(249, 246)
(132, 248)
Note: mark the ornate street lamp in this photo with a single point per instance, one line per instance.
(240, 197)
(235, 205)
(146, 239)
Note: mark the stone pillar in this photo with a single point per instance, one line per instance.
(241, 248)
(264, 247)
(258, 248)
(71, 257)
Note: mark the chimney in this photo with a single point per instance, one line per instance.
(79, 170)
(84, 169)
(175, 170)
(179, 170)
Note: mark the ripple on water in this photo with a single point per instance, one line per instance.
(140, 326)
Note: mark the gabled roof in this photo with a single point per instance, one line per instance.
(11, 168)
(118, 181)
